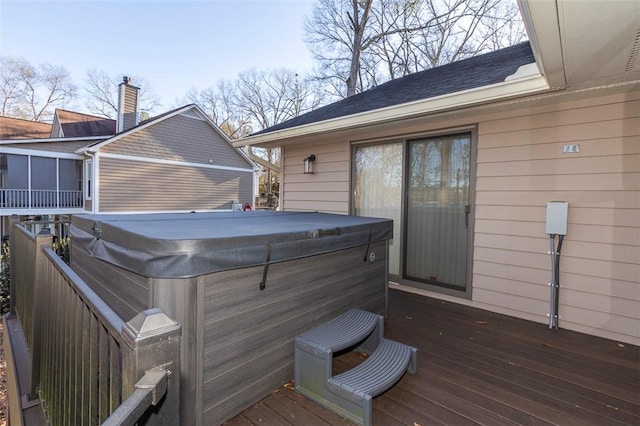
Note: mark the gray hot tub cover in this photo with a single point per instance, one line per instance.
(192, 244)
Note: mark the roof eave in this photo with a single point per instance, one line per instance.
(518, 87)
(51, 140)
(542, 22)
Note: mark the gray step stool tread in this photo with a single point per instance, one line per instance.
(345, 330)
(377, 373)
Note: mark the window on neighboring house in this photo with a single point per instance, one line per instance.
(88, 177)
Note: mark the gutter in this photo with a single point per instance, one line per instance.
(517, 85)
(542, 22)
(53, 140)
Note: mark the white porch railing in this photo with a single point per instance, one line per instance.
(39, 199)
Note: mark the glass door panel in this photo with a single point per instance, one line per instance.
(437, 216)
(377, 190)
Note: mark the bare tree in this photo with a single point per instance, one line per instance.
(335, 34)
(359, 43)
(219, 103)
(31, 92)
(271, 97)
(102, 92)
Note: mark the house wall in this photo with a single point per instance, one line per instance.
(520, 166)
(130, 186)
(177, 164)
(327, 189)
(179, 138)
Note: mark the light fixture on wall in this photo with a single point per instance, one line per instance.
(308, 164)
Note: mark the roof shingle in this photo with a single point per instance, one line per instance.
(17, 128)
(76, 124)
(482, 70)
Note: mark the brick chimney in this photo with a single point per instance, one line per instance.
(128, 115)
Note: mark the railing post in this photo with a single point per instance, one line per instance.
(43, 239)
(153, 341)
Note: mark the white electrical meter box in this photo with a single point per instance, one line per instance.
(557, 217)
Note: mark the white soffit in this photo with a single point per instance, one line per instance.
(581, 43)
(599, 37)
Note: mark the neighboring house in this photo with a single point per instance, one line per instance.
(17, 128)
(465, 157)
(179, 161)
(69, 124)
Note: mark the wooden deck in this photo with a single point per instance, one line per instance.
(477, 367)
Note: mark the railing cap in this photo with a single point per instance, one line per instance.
(149, 327)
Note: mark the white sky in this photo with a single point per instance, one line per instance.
(175, 45)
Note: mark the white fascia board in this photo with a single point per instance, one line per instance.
(542, 21)
(515, 87)
(96, 147)
(40, 153)
(51, 140)
(173, 162)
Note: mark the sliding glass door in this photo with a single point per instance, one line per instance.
(437, 210)
(377, 190)
(424, 186)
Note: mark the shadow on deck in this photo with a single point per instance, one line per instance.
(478, 367)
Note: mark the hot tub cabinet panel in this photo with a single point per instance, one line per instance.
(237, 343)
(126, 292)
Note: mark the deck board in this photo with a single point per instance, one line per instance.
(479, 367)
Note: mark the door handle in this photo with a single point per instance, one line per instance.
(467, 210)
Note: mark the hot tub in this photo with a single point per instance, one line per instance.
(242, 285)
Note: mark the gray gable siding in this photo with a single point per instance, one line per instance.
(471, 73)
(179, 138)
(139, 186)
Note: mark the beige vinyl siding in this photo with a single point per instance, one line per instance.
(179, 138)
(65, 147)
(325, 190)
(140, 186)
(520, 167)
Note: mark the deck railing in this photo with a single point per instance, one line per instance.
(89, 366)
(39, 198)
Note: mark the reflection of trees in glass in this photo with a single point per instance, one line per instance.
(378, 176)
(439, 170)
